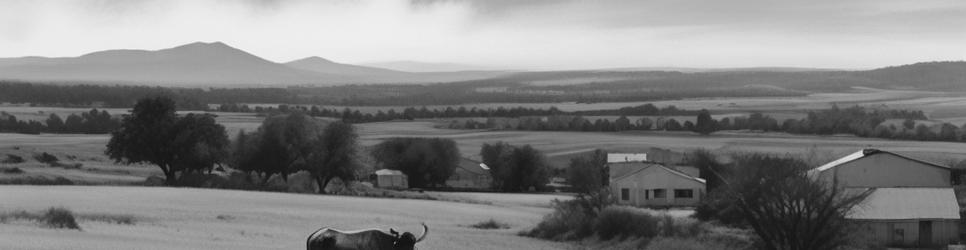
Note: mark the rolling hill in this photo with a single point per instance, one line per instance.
(191, 64)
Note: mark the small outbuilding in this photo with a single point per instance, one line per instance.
(470, 175)
(909, 217)
(654, 184)
(389, 179)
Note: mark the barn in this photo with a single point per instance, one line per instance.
(389, 179)
(911, 202)
(470, 175)
(654, 184)
(909, 217)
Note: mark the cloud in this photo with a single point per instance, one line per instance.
(535, 34)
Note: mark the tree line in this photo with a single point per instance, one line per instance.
(410, 113)
(285, 144)
(91, 122)
(855, 120)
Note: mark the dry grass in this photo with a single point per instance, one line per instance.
(251, 220)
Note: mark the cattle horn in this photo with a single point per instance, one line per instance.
(425, 231)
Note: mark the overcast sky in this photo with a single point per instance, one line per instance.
(534, 34)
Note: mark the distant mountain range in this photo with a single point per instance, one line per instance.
(218, 64)
(207, 64)
(412, 66)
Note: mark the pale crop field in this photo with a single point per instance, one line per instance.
(184, 218)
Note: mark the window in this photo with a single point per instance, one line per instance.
(660, 193)
(683, 193)
(625, 194)
(647, 194)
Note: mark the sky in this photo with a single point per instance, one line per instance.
(512, 34)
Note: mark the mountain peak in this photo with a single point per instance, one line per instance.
(313, 59)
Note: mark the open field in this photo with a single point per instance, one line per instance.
(560, 146)
(184, 218)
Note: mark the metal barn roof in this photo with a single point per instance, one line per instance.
(388, 172)
(907, 203)
(867, 152)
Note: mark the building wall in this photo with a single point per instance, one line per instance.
(392, 181)
(905, 233)
(642, 185)
(886, 170)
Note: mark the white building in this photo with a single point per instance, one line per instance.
(652, 184)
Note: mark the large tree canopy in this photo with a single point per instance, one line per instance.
(426, 161)
(334, 154)
(515, 168)
(154, 134)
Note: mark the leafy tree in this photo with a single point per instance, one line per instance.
(334, 155)
(145, 136)
(515, 168)
(54, 123)
(426, 161)
(283, 145)
(587, 174)
(198, 143)
(705, 124)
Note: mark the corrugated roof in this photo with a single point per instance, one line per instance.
(867, 152)
(473, 166)
(644, 166)
(388, 172)
(907, 203)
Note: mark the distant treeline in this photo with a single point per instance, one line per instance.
(854, 120)
(121, 96)
(92, 122)
(410, 113)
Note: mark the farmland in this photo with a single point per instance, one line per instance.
(184, 218)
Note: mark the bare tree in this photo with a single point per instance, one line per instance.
(787, 209)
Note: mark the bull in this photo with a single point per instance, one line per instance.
(374, 239)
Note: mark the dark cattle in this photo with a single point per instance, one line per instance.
(374, 239)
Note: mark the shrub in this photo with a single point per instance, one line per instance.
(46, 158)
(58, 217)
(34, 180)
(12, 170)
(568, 221)
(625, 221)
(681, 227)
(110, 218)
(13, 159)
(490, 224)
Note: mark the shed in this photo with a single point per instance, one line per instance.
(909, 217)
(470, 175)
(653, 184)
(390, 179)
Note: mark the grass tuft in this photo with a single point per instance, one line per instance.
(490, 224)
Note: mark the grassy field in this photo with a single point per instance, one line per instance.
(183, 218)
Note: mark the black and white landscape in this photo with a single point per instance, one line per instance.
(471, 124)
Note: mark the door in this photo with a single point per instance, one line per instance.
(925, 233)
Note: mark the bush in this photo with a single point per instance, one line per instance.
(490, 224)
(12, 170)
(625, 221)
(34, 180)
(568, 221)
(58, 217)
(13, 159)
(46, 158)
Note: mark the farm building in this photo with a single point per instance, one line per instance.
(910, 217)
(653, 184)
(876, 168)
(911, 204)
(391, 179)
(620, 157)
(470, 175)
